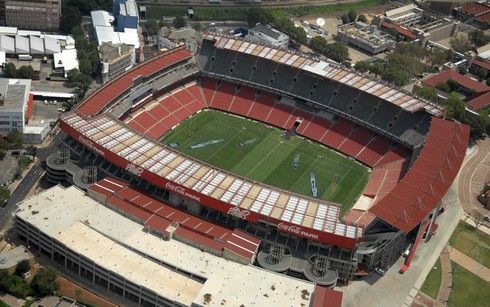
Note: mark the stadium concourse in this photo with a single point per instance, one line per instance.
(415, 155)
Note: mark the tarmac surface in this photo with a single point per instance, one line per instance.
(29, 180)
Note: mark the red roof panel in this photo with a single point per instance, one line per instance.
(98, 100)
(429, 178)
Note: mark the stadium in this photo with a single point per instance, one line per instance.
(305, 167)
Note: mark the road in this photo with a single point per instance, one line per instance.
(28, 181)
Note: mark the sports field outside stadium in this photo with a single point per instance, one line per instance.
(260, 152)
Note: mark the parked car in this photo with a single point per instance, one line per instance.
(380, 271)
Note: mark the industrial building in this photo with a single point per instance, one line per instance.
(366, 37)
(41, 15)
(115, 59)
(410, 23)
(27, 45)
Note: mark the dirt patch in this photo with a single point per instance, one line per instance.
(72, 290)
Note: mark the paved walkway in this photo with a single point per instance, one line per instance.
(483, 227)
(446, 278)
(468, 263)
(474, 173)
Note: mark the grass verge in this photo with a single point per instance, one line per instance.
(433, 281)
(472, 242)
(468, 289)
(240, 12)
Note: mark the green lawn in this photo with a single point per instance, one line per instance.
(472, 242)
(213, 12)
(468, 289)
(269, 157)
(433, 281)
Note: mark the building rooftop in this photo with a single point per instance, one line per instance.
(475, 9)
(463, 80)
(101, 235)
(267, 30)
(66, 59)
(14, 94)
(109, 52)
(367, 33)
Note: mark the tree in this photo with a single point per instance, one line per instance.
(31, 150)
(345, 18)
(4, 194)
(257, 15)
(352, 14)
(14, 285)
(319, 44)
(362, 66)
(15, 140)
(362, 18)
(396, 75)
(478, 37)
(481, 73)
(338, 52)
(85, 66)
(10, 70)
(462, 70)
(427, 92)
(44, 282)
(437, 57)
(22, 267)
(70, 17)
(455, 108)
(179, 22)
(26, 72)
(152, 27)
(460, 43)
(72, 75)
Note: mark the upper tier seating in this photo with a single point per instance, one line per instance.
(367, 110)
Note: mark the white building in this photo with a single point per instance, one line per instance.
(106, 31)
(14, 99)
(268, 35)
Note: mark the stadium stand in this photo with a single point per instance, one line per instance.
(340, 135)
(169, 222)
(271, 72)
(428, 179)
(156, 118)
(99, 100)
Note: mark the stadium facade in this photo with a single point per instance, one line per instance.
(414, 153)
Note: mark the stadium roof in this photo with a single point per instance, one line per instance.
(122, 246)
(212, 187)
(335, 72)
(101, 98)
(428, 180)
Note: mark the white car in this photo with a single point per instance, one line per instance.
(380, 271)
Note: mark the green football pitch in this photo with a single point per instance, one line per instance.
(260, 152)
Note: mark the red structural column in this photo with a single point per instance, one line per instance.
(420, 235)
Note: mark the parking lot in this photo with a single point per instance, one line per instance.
(45, 111)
